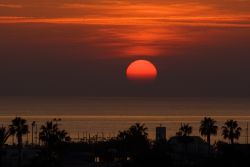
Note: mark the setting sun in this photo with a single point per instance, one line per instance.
(141, 70)
(124, 83)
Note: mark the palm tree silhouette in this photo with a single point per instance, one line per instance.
(138, 130)
(19, 128)
(4, 135)
(208, 128)
(52, 137)
(51, 134)
(33, 124)
(134, 140)
(184, 130)
(231, 130)
(63, 136)
(135, 131)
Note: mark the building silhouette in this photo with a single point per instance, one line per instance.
(161, 133)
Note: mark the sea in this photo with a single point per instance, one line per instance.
(104, 117)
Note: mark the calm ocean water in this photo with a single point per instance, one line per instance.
(106, 116)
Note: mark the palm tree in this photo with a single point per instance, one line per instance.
(51, 134)
(135, 131)
(47, 134)
(231, 130)
(63, 136)
(19, 128)
(134, 140)
(208, 128)
(4, 135)
(138, 130)
(52, 137)
(185, 130)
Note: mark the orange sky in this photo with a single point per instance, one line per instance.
(177, 35)
(231, 12)
(158, 18)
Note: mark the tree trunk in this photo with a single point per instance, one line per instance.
(32, 142)
(232, 141)
(19, 139)
(208, 140)
(209, 144)
(1, 154)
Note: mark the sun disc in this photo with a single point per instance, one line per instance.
(141, 70)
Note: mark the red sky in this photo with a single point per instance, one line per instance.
(82, 47)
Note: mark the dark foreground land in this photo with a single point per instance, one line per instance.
(115, 154)
(131, 148)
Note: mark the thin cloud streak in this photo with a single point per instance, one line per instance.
(10, 6)
(137, 12)
(243, 21)
(130, 9)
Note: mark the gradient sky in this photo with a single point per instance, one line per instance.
(82, 47)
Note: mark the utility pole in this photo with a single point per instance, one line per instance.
(78, 136)
(247, 134)
(27, 140)
(13, 139)
(36, 135)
